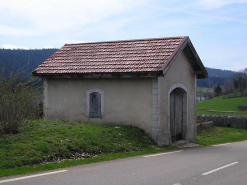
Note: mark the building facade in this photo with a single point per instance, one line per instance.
(149, 83)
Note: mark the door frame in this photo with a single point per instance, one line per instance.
(185, 108)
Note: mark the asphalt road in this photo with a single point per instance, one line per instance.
(221, 165)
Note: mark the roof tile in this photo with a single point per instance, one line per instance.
(146, 55)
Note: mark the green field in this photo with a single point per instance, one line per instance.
(220, 106)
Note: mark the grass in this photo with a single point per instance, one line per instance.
(219, 135)
(46, 145)
(220, 106)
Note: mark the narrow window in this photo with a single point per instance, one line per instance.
(95, 105)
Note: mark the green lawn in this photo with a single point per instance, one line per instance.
(220, 106)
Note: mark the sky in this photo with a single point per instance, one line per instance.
(217, 28)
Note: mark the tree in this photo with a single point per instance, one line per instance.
(218, 90)
(19, 100)
(235, 83)
(239, 81)
(228, 84)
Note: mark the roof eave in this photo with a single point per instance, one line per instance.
(100, 75)
(200, 73)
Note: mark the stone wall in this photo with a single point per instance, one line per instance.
(204, 126)
(224, 121)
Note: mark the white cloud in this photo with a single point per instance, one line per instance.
(47, 23)
(7, 30)
(214, 4)
(48, 47)
(107, 27)
(73, 41)
(57, 15)
(10, 46)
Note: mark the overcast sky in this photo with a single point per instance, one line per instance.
(217, 28)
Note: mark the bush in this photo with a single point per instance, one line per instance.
(19, 100)
(242, 107)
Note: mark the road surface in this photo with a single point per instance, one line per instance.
(215, 165)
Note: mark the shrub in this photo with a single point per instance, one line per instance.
(242, 107)
(19, 100)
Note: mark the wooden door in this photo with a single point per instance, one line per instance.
(176, 115)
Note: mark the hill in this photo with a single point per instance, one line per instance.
(215, 76)
(219, 73)
(12, 60)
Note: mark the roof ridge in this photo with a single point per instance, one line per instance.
(129, 40)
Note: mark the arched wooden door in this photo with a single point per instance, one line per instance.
(176, 115)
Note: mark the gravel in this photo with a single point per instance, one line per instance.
(185, 144)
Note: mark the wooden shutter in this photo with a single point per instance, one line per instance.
(95, 105)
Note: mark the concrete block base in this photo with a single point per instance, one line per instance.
(191, 132)
(164, 139)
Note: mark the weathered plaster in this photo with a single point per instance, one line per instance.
(126, 101)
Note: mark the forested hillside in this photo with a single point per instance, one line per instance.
(210, 82)
(219, 73)
(12, 60)
(215, 76)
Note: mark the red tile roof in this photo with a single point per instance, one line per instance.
(146, 55)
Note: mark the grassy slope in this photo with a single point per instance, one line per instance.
(220, 135)
(220, 104)
(46, 141)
